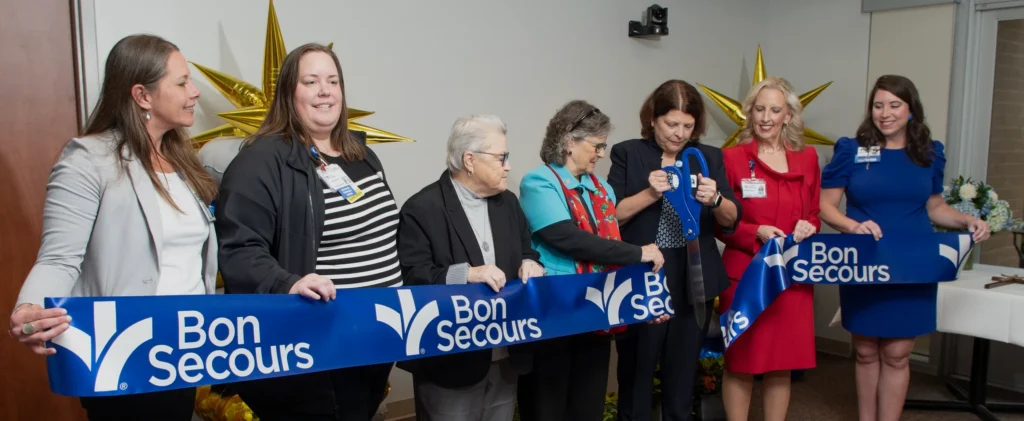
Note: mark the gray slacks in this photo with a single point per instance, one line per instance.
(492, 399)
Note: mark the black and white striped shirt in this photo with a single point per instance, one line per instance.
(359, 245)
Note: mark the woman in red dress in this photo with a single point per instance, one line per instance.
(777, 181)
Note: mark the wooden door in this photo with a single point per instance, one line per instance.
(38, 116)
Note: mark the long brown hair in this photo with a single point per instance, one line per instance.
(919, 136)
(142, 60)
(282, 118)
(673, 95)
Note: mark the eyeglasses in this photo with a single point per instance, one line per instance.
(504, 156)
(598, 147)
(580, 121)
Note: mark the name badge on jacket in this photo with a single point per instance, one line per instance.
(337, 180)
(872, 154)
(754, 188)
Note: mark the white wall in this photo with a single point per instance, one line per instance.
(811, 42)
(917, 43)
(420, 65)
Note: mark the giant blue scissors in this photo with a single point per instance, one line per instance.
(682, 197)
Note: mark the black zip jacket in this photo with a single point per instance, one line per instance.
(270, 216)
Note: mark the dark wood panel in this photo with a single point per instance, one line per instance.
(38, 117)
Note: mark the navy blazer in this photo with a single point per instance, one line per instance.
(434, 233)
(632, 163)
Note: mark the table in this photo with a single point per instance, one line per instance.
(965, 307)
(1018, 243)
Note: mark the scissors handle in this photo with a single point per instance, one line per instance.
(687, 206)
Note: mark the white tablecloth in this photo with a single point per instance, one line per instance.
(965, 307)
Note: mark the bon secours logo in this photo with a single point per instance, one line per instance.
(236, 353)
(611, 298)
(480, 322)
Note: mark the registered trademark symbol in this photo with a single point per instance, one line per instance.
(423, 351)
(622, 321)
(124, 386)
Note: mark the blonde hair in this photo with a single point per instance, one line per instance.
(792, 132)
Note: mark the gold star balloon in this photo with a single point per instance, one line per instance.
(252, 102)
(733, 109)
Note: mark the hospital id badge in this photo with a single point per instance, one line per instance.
(754, 188)
(337, 180)
(872, 154)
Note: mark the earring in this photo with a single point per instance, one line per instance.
(148, 116)
(570, 153)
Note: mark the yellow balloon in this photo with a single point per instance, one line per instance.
(252, 102)
(734, 109)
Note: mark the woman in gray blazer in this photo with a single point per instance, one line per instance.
(126, 212)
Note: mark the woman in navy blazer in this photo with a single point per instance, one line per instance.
(672, 119)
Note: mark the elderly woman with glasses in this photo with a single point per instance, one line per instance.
(571, 213)
(468, 228)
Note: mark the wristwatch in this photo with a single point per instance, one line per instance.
(718, 200)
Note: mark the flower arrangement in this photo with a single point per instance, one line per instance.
(980, 200)
(214, 406)
(709, 374)
(977, 199)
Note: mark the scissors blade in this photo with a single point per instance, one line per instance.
(695, 279)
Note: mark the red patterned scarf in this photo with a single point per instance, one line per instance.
(607, 225)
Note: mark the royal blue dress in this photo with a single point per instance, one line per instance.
(893, 194)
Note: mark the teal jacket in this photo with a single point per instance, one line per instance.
(543, 202)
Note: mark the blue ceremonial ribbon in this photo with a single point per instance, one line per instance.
(126, 345)
(841, 259)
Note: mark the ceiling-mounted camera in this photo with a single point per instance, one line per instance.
(654, 24)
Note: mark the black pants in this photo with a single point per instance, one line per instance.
(676, 346)
(358, 392)
(568, 381)
(171, 405)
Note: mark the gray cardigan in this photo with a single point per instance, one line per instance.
(101, 228)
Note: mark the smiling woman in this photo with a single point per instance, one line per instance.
(126, 211)
(572, 217)
(305, 209)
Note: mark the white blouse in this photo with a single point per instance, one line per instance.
(185, 231)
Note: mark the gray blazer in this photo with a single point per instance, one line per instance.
(101, 228)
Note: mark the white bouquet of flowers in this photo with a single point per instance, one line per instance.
(979, 200)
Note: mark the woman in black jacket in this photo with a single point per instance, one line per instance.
(304, 209)
(468, 228)
(672, 119)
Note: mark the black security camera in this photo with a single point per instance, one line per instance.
(655, 23)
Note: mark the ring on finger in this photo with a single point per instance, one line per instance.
(28, 328)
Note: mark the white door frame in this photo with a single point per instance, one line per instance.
(970, 109)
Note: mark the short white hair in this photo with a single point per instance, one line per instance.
(468, 134)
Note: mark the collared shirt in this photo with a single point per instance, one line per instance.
(544, 203)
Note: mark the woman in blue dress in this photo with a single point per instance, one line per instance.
(897, 189)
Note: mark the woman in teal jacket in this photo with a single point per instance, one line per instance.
(571, 213)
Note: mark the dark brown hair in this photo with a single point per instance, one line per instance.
(142, 60)
(282, 119)
(919, 136)
(673, 95)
